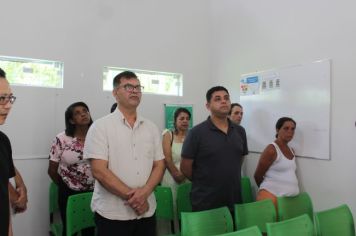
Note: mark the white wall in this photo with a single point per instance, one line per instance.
(160, 35)
(256, 35)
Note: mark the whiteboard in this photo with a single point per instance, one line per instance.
(301, 92)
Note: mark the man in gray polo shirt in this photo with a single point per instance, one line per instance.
(212, 155)
(127, 162)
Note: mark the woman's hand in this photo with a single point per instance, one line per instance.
(21, 202)
(267, 157)
(178, 177)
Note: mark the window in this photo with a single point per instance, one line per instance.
(154, 82)
(33, 72)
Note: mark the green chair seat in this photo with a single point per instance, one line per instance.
(290, 207)
(335, 221)
(255, 213)
(298, 226)
(205, 223)
(252, 231)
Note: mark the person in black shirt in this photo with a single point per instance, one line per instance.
(7, 169)
(212, 155)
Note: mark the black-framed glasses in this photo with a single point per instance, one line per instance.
(131, 88)
(5, 99)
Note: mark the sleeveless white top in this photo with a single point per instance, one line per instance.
(167, 179)
(281, 179)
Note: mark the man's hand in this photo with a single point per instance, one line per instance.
(137, 197)
(140, 210)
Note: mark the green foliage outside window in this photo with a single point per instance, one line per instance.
(33, 72)
(154, 82)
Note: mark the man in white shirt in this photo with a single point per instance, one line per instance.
(127, 162)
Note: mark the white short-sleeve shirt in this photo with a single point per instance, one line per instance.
(130, 153)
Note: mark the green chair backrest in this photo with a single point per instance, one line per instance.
(183, 198)
(252, 231)
(53, 200)
(205, 223)
(79, 214)
(255, 213)
(335, 221)
(298, 226)
(164, 200)
(290, 207)
(246, 190)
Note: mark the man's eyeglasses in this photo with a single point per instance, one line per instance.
(131, 88)
(5, 99)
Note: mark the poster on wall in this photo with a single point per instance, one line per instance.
(249, 85)
(169, 110)
(270, 81)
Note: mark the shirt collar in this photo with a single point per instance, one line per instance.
(212, 126)
(139, 119)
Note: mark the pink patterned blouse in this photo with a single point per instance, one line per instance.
(73, 169)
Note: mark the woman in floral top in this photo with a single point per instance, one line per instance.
(67, 168)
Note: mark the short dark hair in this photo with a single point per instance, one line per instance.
(124, 74)
(113, 107)
(210, 92)
(281, 121)
(234, 105)
(68, 115)
(2, 73)
(176, 114)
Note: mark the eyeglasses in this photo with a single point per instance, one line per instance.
(5, 99)
(131, 88)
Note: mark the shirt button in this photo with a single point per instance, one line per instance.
(138, 173)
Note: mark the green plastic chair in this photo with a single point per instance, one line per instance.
(53, 200)
(79, 215)
(164, 200)
(252, 231)
(290, 207)
(205, 223)
(246, 190)
(298, 226)
(255, 213)
(335, 221)
(55, 228)
(183, 198)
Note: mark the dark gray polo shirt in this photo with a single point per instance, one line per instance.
(217, 159)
